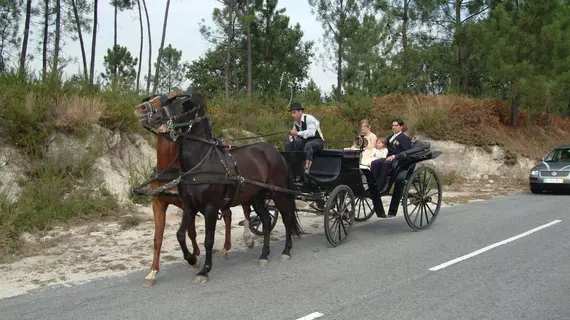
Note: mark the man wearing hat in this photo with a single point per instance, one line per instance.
(306, 134)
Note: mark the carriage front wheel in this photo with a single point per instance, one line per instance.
(422, 198)
(364, 209)
(255, 225)
(339, 214)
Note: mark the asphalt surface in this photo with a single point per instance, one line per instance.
(381, 273)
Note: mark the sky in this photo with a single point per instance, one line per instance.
(182, 32)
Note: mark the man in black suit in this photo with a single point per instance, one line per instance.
(380, 168)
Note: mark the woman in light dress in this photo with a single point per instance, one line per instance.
(375, 149)
(371, 137)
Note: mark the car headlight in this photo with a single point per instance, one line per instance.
(534, 173)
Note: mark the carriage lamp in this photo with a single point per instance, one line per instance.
(361, 141)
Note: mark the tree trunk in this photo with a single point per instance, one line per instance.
(57, 38)
(93, 44)
(249, 62)
(141, 46)
(149, 49)
(82, 44)
(405, 38)
(46, 38)
(115, 41)
(515, 104)
(155, 85)
(229, 51)
(26, 35)
(340, 41)
(463, 81)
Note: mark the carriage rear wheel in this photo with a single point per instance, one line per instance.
(255, 224)
(422, 198)
(364, 209)
(339, 214)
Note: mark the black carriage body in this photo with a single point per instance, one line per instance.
(329, 169)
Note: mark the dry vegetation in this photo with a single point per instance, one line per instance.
(474, 122)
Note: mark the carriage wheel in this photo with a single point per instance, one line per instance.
(364, 209)
(255, 224)
(422, 198)
(339, 214)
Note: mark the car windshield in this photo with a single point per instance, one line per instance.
(558, 155)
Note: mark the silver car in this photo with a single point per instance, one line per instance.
(553, 173)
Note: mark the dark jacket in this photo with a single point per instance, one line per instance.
(401, 143)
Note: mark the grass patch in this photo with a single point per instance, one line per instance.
(57, 189)
(130, 221)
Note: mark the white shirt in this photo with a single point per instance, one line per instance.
(313, 125)
(394, 136)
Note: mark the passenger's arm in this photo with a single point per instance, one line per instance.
(406, 142)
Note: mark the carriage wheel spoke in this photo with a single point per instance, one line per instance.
(417, 206)
(425, 211)
(419, 212)
(333, 228)
(432, 214)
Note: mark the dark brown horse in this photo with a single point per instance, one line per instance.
(215, 178)
(169, 165)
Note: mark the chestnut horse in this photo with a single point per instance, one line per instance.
(214, 177)
(169, 165)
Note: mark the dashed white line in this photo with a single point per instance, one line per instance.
(472, 254)
(312, 316)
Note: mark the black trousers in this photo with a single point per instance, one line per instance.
(309, 146)
(380, 169)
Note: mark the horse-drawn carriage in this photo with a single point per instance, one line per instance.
(336, 188)
(216, 176)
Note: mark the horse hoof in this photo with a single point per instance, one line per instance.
(284, 257)
(148, 283)
(200, 279)
(250, 243)
(223, 254)
(195, 265)
(263, 262)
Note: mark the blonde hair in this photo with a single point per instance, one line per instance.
(365, 122)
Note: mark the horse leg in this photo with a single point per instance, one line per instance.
(247, 235)
(188, 215)
(192, 236)
(211, 216)
(159, 213)
(227, 215)
(263, 213)
(286, 205)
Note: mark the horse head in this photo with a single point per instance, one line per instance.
(182, 113)
(151, 104)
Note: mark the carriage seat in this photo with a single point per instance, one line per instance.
(327, 163)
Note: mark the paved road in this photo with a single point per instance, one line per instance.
(382, 273)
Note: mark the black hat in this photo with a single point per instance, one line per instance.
(295, 106)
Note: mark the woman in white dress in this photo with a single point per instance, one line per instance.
(371, 137)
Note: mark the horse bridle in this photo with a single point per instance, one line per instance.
(163, 102)
(171, 126)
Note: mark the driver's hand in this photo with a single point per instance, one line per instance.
(390, 158)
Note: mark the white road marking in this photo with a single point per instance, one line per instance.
(472, 254)
(312, 316)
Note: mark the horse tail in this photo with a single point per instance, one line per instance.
(294, 219)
